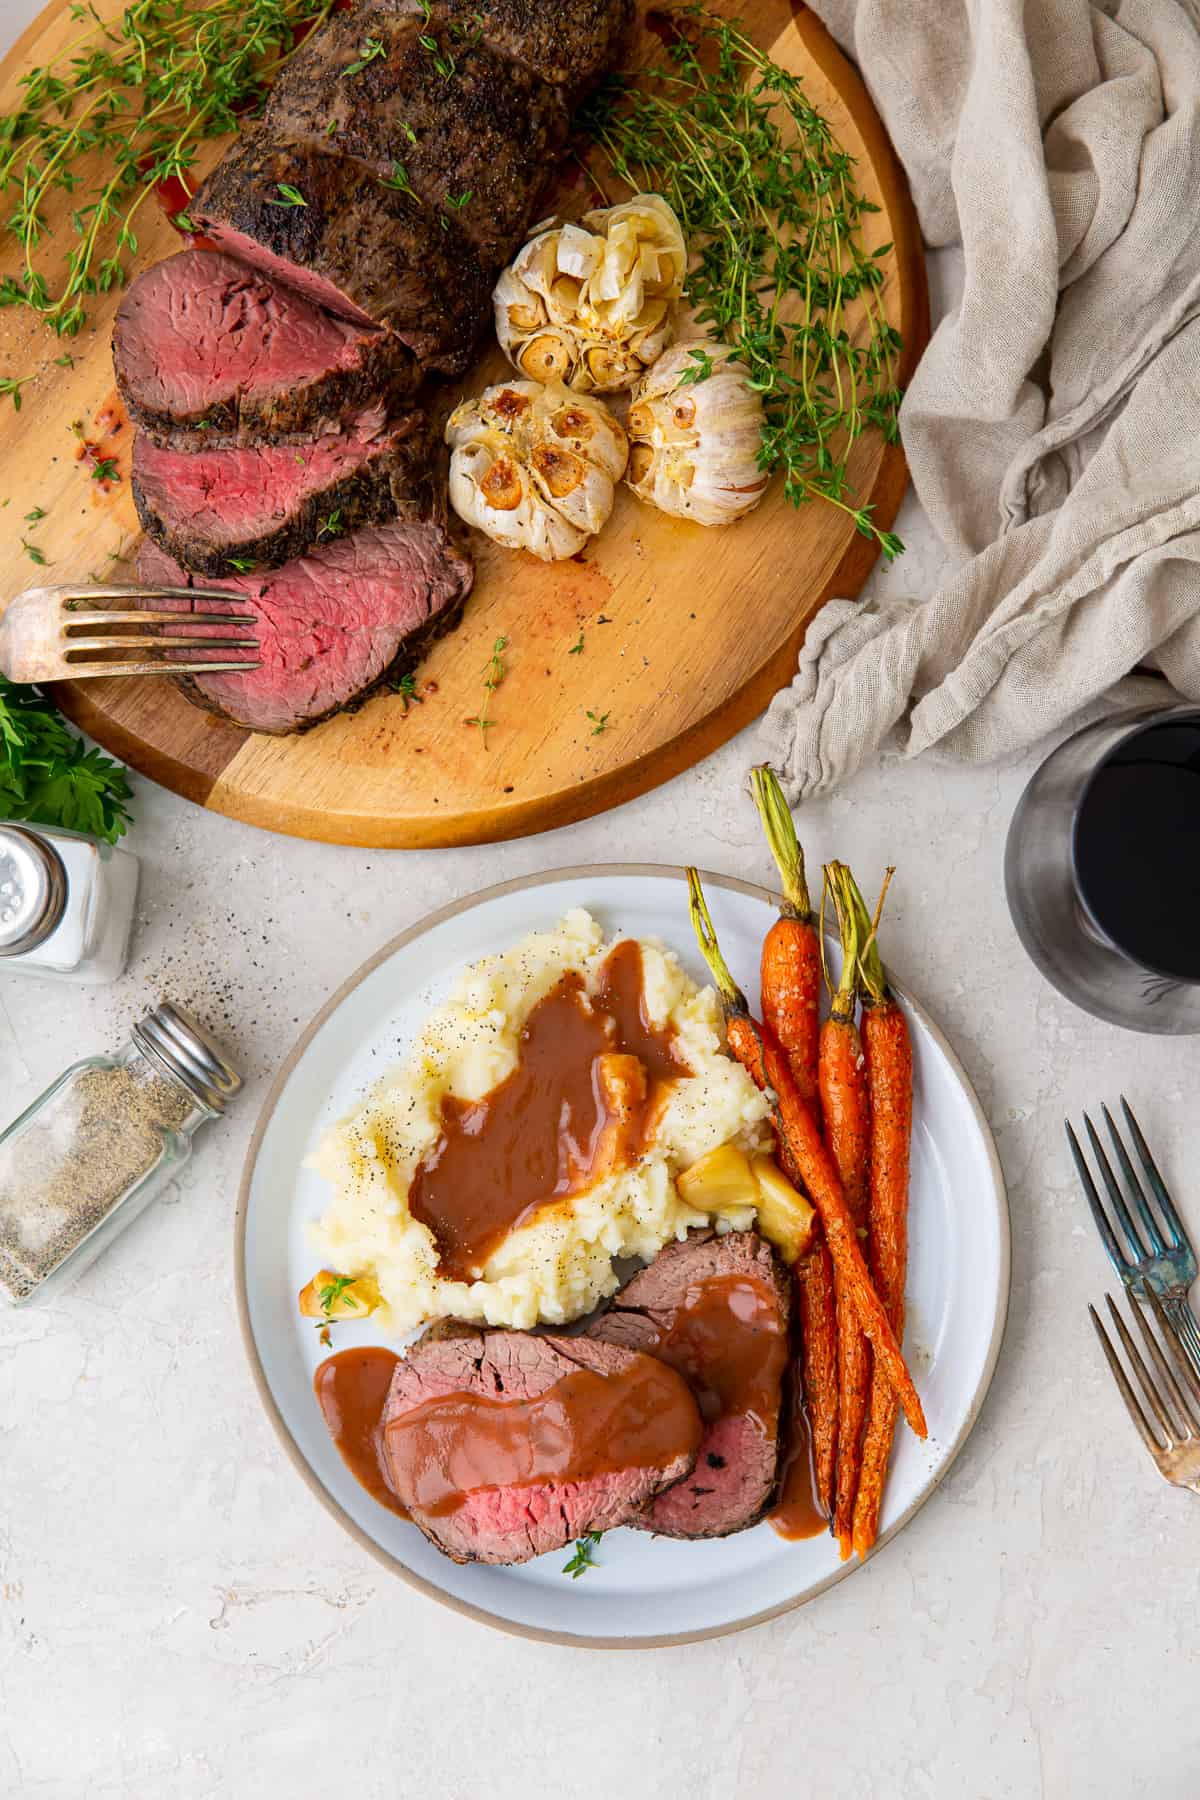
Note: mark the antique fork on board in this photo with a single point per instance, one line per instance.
(1161, 1263)
(62, 634)
(1174, 1439)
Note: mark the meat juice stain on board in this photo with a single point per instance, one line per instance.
(109, 445)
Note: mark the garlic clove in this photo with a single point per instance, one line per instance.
(546, 357)
(576, 252)
(695, 443)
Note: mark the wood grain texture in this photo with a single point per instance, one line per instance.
(687, 632)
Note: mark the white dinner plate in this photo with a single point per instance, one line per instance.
(643, 1590)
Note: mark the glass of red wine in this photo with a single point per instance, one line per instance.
(1102, 869)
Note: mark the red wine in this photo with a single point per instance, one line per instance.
(1136, 848)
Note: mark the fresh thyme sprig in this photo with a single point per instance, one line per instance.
(493, 675)
(772, 213)
(137, 97)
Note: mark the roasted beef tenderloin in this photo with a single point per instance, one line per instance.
(510, 1523)
(737, 1467)
(209, 351)
(228, 512)
(333, 625)
(350, 243)
(474, 134)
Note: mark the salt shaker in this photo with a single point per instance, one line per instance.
(66, 904)
(82, 1162)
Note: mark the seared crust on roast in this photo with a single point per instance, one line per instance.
(474, 134)
(352, 244)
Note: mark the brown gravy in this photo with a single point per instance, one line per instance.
(797, 1512)
(575, 1105)
(729, 1344)
(351, 1388)
(583, 1426)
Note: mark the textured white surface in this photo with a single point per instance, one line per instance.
(179, 1617)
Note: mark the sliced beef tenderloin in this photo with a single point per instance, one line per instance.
(333, 624)
(715, 1308)
(208, 351)
(225, 512)
(330, 227)
(569, 46)
(474, 134)
(495, 1501)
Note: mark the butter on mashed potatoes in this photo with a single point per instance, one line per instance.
(558, 1265)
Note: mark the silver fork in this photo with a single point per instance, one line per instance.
(1161, 1263)
(1174, 1404)
(62, 634)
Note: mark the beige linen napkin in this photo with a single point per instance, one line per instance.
(1053, 426)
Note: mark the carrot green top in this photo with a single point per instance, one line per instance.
(780, 828)
(732, 997)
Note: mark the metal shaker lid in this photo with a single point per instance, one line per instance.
(33, 889)
(183, 1049)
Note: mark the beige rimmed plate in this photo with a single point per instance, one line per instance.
(644, 1591)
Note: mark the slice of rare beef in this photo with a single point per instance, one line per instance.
(474, 134)
(716, 1308)
(570, 46)
(227, 512)
(505, 1444)
(208, 351)
(332, 625)
(330, 227)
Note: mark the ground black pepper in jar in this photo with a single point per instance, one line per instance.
(82, 1162)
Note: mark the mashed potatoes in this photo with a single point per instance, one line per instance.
(560, 1264)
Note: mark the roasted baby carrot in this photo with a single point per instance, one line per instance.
(790, 977)
(796, 1127)
(887, 1052)
(791, 952)
(845, 1106)
(816, 1298)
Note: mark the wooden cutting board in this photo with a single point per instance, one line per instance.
(686, 632)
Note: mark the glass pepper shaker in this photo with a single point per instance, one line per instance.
(84, 1160)
(66, 904)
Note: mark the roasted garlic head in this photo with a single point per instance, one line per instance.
(695, 432)
(592, 304)
(535, 467)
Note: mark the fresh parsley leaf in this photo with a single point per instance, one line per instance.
(332, 526)
(106, 469)
(582, 1559)
(49, 776)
